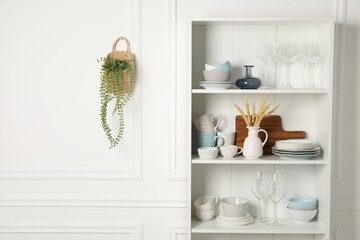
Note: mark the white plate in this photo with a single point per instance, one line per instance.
(246, 217)
(297, 152)
(233, 223)
(211, 83)
(296, 157)
(294, 145)
(217, 86)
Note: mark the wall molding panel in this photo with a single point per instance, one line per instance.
(178, 233)
(135, 172)
(170, 21)
(129, 228)
(91, 201)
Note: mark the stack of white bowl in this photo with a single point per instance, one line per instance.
(234, 211)
(302, 209)
(205, 207)
(217, 76)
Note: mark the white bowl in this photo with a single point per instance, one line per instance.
(205, 215)
(302, 216)
(226, 66)
(208, 152)
(293, 145)
(217, 76)
(206, 203)
(234, 207)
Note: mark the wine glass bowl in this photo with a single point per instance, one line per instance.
(287, 54)
(266, 52)
(311, 54)
(260, 189)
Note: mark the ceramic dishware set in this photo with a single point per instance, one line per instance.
(302, 209)
(233, 211)
(295, 149)
(217, 76)
(207, 139)
(205, 207)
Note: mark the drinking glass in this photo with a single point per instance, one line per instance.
(266, 52)
(276, 192)
(288, 53)
(259, 189)
(311, 54)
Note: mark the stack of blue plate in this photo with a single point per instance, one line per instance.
(297, 154)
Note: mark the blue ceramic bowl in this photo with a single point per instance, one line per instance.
(226, 66)
(303, 203)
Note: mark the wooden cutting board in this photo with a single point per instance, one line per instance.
(272, 125)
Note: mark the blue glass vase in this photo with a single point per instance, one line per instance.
(248, 81)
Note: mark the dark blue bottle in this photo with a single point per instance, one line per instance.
(248, 81)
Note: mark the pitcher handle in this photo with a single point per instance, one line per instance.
(218, 121)
(266, 135)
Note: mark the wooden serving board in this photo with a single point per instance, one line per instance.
(272, 125)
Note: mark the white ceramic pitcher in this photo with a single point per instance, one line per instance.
(253, 147)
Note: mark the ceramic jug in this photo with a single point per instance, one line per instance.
(253, 147)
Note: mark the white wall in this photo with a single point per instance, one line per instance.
(57, 176)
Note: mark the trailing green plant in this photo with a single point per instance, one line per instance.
(117, 83)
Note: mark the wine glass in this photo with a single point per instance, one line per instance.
(266, 52)
(259, 189)
(288, 53)
(311, 54)
(276, 192)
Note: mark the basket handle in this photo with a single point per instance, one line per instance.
(118, 40)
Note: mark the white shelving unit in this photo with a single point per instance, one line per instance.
(310, 110)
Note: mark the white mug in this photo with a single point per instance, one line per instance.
(230, 151)
(207, 123)
(206, 203)
(229, 137)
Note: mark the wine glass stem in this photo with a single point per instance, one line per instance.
(259, 201)
(311, 75)
(275, 212)
(266, 74)
(287, 79)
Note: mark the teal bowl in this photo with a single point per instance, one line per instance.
(303, 203)
(226, 66)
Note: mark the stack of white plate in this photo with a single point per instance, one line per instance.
(295, 149)
(239, 221)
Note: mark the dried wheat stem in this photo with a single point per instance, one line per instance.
(242, 114)
(248, 115)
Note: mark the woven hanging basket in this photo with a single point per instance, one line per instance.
(122, 55)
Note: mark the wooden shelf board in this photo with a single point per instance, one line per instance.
(262, 91)
(289, 227)
(266, 159)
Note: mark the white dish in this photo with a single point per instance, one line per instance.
(234, 207)
(208, 152)
(210, 83)
(293, 145)
(302, 216)
(225, 222)
(296, 157)
(313, 150)
(297, 152)
(244, 218)
(216, 86)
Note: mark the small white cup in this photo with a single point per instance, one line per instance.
(206, 203)
(229, 137)
(230, 151)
